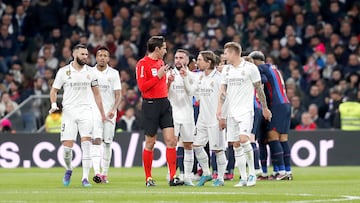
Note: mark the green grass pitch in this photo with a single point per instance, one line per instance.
(312, 184)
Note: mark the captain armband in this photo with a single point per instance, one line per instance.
(94, 83)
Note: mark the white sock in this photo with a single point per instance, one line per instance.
(95, 155)
(203, 160)
(221, 164)
(68, 155)
(107, 153)
(86, 158)
(240, 162)
(249, 155)
(188, 163)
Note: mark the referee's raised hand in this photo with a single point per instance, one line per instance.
(162, 70)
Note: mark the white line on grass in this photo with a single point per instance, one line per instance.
(329, 198)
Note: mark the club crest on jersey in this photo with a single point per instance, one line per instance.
(242, 73)
(154, 72)
(68, 73)
(88, 76)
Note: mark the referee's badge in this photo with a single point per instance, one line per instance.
(154, 72)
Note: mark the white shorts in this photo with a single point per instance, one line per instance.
(104, 130)
(76, 121)
(185, 131)
(211, 134)
(237, 126)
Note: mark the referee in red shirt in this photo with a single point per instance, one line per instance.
(156, 108)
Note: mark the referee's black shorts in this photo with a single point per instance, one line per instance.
(156, 113)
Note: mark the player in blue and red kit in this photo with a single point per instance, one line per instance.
(278, 127)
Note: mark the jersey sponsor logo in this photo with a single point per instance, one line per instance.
(154, 72)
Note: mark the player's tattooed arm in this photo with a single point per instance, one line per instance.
(222, 93)
(262, 98)
(261, 94)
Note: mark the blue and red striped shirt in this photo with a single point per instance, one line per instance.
(274, 85)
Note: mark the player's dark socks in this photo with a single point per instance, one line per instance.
(213, 161)
(263, 157)
(231, 158)
(256, 155)
(277, 154)
(287, 159)
(180, 159)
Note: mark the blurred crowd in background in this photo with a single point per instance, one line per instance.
(315, 44)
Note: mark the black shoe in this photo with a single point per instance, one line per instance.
(176, 182)
(150, 182)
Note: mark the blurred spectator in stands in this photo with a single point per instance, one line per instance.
(320, 54)
(39, 105)
(120, 50)
(334, 15)
(71, 26)
(131, 97)
(291, 84)
(306, 123)
(14, 91)
(314, 114)
(6, 126)
(340, 55)
(275, 48)
(97, 37)
(330, 65)
(128, 121)
(8, 49)
(350, 113)
(296, 111)
(50, 61)
(353, 65)
(53, 122)
(289, 31)
(353, 80)
(6, 104)
(17, 71)
(336, 76)
(345, 32)
(40, 67)
(283, 62)
(353, 44)
(48, 15)
(99, 18)
(66, 55)
(315, 97)
(239, 23)
(332, 106)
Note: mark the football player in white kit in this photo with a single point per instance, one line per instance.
(239, 80)
(80, 85)
(183, 112)
(206, 89)
(110, 89)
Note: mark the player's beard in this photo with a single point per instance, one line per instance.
(80, 62)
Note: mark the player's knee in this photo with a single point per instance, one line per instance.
(96, 141)
(283, 137)
(273, 135)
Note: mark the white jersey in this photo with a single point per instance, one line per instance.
(181, 101)
(77, 86)
(208, 94)
(109, 81)
(240, 88)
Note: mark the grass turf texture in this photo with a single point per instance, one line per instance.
(312, 184)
